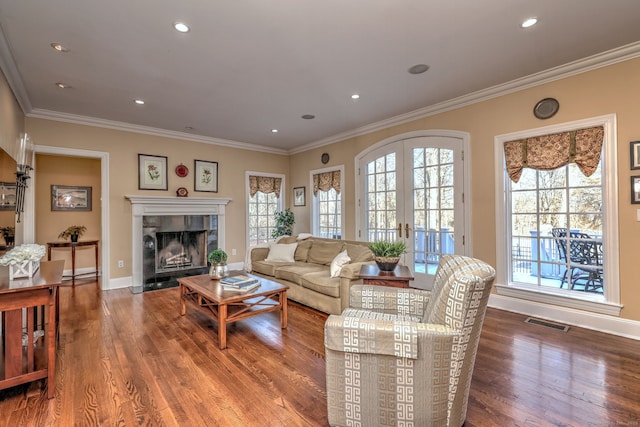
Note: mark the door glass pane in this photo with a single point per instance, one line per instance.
(381, 183)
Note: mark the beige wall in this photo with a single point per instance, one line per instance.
(11, 117)
(608, 90)
(123, 149)
(70, 171)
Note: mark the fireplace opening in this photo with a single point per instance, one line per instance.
(176, 246)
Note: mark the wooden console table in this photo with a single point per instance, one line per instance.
(398, 278)
(73, 246)
(31, 362)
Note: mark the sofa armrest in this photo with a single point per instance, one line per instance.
(259, 254)
(352, 271)
(383, 299)
(398, 338)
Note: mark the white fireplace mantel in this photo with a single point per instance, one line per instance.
(166, 205)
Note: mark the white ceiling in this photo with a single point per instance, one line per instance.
(248, 66)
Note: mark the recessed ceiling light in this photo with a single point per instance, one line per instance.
(308, 116)
(181, 27)
(274, 130)
(355, 96)
(62, 85)
(418, 69)
(530, 22)
(139, 101)
(59, 47)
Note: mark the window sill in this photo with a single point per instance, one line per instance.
(588, 302)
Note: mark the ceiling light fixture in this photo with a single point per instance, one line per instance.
(62, 85)
(139, 101)
(530, 22)
(181, 27)
(59, 47)
(274, 130)
(308, 116)
(355, 96)
(418, 69)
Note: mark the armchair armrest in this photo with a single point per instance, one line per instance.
(398, 338)
(405, 301)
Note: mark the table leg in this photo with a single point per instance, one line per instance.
(73, 265)
(222, 325)
(283, 309)
(48, 253)
(51, 346)
(183, 306)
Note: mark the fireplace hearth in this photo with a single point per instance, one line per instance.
(171, 238)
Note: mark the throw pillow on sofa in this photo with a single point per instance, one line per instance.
(281, 252)
(338, 262)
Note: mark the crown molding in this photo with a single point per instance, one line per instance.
(10, 71)
(38, 113)
(604, 59)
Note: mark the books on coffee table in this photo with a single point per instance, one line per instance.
(239, 283)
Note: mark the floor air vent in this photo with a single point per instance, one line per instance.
(545, 323)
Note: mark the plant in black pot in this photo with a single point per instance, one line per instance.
(387, 254)
(73, 232)
(218, 260)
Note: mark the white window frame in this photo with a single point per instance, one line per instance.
(609, 301)
(281, 199)
(315, 206)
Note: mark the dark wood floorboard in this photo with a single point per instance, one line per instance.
(131, 360)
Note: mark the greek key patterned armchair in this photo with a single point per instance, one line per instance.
(404, 357)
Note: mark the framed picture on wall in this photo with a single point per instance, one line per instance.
(635, 154)
(298, 196)
(70, 198)
(205, 176)
(7, 195)
(152, 172)
(635, 189)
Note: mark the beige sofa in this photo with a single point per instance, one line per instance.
(308, 276)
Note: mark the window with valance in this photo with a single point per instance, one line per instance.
(264, 184)
(549, 152)
(325, 181)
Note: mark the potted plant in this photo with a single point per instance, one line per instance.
(387, 254)
(9, 234)
(73, 232)
(218, 261)
(284, 223)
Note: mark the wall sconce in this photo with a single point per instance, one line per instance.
(24, 160)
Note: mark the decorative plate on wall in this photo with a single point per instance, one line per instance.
(182, 170)
(546, 108)
(324, 158)
(182, 192)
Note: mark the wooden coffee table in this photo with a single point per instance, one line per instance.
(226, 307)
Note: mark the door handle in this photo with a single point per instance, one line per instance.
(400, 230)
(406, 230)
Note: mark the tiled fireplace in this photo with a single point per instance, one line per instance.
(171, 237)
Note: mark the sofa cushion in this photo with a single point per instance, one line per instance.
(322, 283)
(338, 262)
(266, 267)
(302, 251)
(287, 239)
(322, 252)
(281, 252)
(294, 272)
(358, 253)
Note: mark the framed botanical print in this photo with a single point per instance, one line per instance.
(205, 176)
(635, 154)
(635, 189)
(298, 196)
(7, 195)
(152, 172)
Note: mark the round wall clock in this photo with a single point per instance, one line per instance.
(324, 158)
(182, 170)
(182, 192)
(546, 108)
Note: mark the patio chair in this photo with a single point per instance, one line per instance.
(585, 261)
(405, 356)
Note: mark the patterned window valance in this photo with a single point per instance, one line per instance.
(266, 184)
(326, 181)
(547, 152)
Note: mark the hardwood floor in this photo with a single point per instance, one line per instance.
(130, 359)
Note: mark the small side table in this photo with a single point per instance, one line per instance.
(398, 278)
(73, 246)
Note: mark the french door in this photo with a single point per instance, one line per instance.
(413, 190)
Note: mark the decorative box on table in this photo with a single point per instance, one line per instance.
(23, 269)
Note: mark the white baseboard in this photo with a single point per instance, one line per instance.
(583, 319)
(118, 283)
